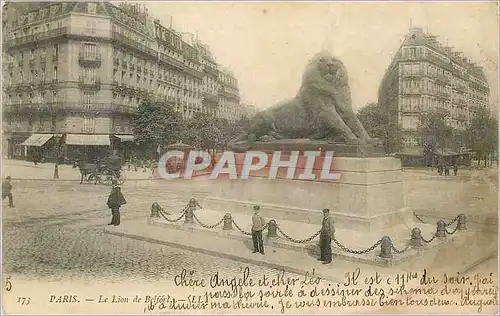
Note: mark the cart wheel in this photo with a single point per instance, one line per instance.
(107, 180)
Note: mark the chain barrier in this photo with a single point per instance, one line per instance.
(241, 230)
(298, 241)
(451, 233)
(172, 220)
(430, 240)
(208, 226)
(396, 250)
(357, 252)
(453, 221)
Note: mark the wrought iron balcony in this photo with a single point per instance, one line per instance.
(90, 59)
(93, 83)
(121, 39)
(33, 39)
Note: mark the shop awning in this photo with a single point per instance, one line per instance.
(125, 138)
(37, 140)
(87, 140)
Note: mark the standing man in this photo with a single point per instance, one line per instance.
(325, 237)
(455, 169)
(115, 201)
(258, 224)
(6, 191)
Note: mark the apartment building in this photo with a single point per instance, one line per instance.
(229, 104)
(75, 72)
(425, 76)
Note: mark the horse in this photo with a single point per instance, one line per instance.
(87, 169)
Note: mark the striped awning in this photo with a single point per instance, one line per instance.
(37, 140)
(125, 138)
(87, 140)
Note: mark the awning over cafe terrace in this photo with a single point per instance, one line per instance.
(87, 140)
(37, 140)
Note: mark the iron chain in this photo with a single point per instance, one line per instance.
(419, 219)
(358, 252)
(172, 220)
(430, 240)
(208, 226)
(453, 221)
(451, 233)
(241, 230)
(396, 250)
(298, 241)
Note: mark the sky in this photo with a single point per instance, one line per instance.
(268, 44)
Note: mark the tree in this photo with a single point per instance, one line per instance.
(434, 132)
(155, 123)
(381, 123)
(482, 134)
(204, 131)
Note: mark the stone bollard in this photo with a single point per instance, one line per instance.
(189, 216)
(228, 222)
(155, 210)
(462, 222)
(386, 248)
(271, 228)
(441, 229)
(416, 238)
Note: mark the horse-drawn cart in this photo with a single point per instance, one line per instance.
(101, 173)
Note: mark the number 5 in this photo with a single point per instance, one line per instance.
(8, 284)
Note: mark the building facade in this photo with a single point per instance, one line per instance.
(229, 103)
(82, 68)
(427, 76)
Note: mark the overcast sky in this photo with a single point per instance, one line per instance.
(267, 45)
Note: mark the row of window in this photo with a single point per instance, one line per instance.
(32, 97)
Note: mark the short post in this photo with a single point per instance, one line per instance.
(189, 215)
(155, 210)
(441, 229)
(462, 222)
(416, 238)
(386, 248)
(228, 222)
(271, 228)
(56, 171)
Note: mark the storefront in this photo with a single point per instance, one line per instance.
(87, 147)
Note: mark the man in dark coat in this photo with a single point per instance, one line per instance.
(6, 191)
(115, 201)
(325, 237)
(455, 169)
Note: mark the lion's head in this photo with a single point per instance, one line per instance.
(323, 68)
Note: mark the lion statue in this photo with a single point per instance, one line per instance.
(322, 109)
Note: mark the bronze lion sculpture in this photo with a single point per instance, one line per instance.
(322, 109)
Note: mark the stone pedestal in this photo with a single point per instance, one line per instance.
(368, 195)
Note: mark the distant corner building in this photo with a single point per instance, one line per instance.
(426, 76)
(249, 110)
(76, 72)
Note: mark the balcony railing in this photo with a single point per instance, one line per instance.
(133, 44)
(90, 83)
(89, 59)
(55, 57)
(37, 37)
(43, 59)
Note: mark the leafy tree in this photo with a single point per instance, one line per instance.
(383, 124)
(434, 132)
(204, 131)
(156, 123)
(482, 134)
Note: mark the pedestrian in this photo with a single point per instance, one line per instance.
(115, 201)
(446, 170)
(455, 169)
(325, 237)
(7, 191)
(258, 224)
